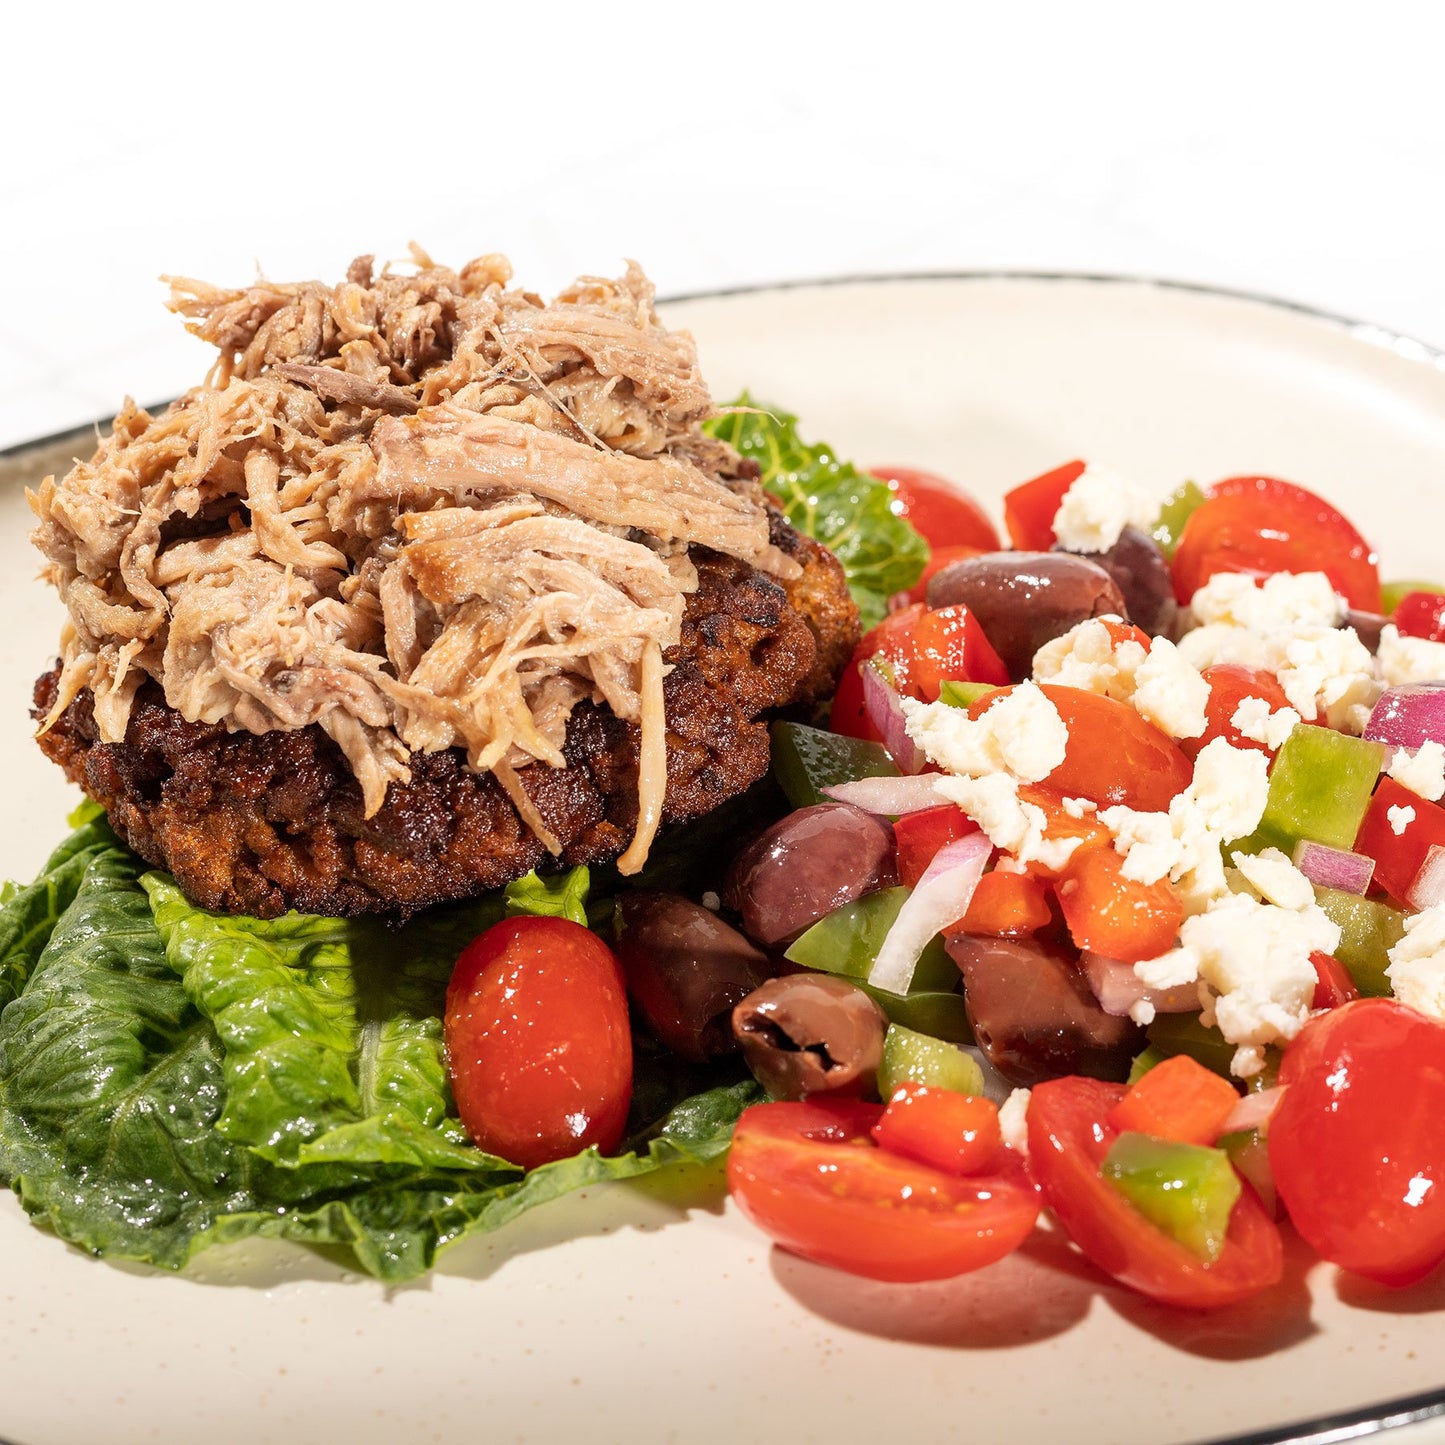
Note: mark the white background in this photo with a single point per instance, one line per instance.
(1274, 148)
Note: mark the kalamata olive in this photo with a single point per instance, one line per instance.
(810, 1033)
(686, 969)
(1034, 1015)
(813, 861)
(1025, 599)
(1368, 627)
(1139, 569)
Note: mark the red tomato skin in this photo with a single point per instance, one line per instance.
(1421, 614)
(1029, 510)
(1263, 525)
(1068, 1138)
(1113, 755)
(919, 836)
(1229, 684)
(809, 1177)
(943, 513)
(1115, 916)
(1357, 1144)
(538, 1042)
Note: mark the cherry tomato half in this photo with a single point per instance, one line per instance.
(1029, 510)
(809, 1176)
(1116, 916)
(1069, 1135)
(538, 1041)
(1357, 1144)
(944, 514)
(1113, 755)
(1262, 525)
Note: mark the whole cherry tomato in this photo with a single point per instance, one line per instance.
(538, 1041)
(944, 514)
(1421, 614)
(809, 1176)
(1357, 1143)
(1262, 525)
(1069, 1135)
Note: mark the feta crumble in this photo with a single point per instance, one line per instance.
(1403, 659)
(1252, 719)
(1422, 771)
(1097, 508)
(1284, 600)
(1224, 800)
(1157, 682)
(1021, 735)
(1013, 1120)
(1012, 824)
(1275, 879)
(1252, 962)
(1417, 963)
(1400, 818)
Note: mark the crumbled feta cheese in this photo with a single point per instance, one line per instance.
(711, 901)
(1080, 807)
(1013, 1120)
(1015, 826)
(1417, 963)
(1142, 1012)
(1399, 818)
(1224, 800)
(1284, 600)
(1271, 875)
(1252, 719)
(1422, 771)
(1097, 508)
(1021, 735)
(1160, 685)
(1402, 659)
(1252, 960)
(1288, 625)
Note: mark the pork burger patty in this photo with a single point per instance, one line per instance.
(259, 823)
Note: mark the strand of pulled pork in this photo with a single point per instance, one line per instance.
(440, 514)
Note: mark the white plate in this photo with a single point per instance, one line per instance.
(642, 1314)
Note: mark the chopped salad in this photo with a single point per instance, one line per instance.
(1112, 884)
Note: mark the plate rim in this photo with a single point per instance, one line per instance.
(1366, 1420)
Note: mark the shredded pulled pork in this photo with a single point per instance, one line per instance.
(419, 510)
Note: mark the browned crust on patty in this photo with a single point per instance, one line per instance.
(259, 823)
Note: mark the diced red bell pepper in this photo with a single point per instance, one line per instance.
(1117, 916)
(957, 1133)
(1398, 855)
(1006, 905)
(1178, 1099)
(919, 836)
(1029, 510)
(1334, 985)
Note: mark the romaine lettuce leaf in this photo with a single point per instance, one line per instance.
(831, 501)
(149, 1106)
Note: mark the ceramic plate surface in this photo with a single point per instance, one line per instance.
(650, 1313)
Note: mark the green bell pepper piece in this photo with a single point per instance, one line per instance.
(807, 760)
(940, 1015)
(911, 1057)
(1368, 931)
(1187, 1190)
(1143, 1062)
(846, 942)
(1171, 1034)
(1175, 512)
(964, 694)
(1319, 788)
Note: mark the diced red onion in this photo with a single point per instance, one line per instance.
(1408, 715)
(1254, 1110)
(941, 897)
(891, 797)
(1334, 867)
(885, 711)
(1118, 988)
(1428, 889)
